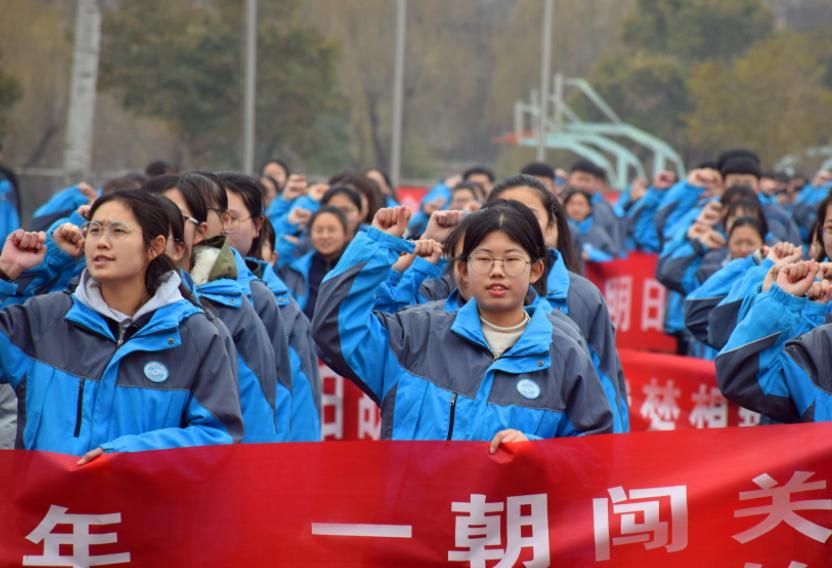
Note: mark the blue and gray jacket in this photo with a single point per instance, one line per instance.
(162, 379)
(303, 357)
(581, 300)
(595, 242)
(260, 390)
(9, 204)
(433, 373)
(769, 367)
(60, 205)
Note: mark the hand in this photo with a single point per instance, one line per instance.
(796, 279)
(822, 178)
(825, 270)
(88, 191)
(23, 250)
(697, 231)
(295, 187)
(706, 178)
(785, 253)
(317, 190)
(713, 240)
(84, 211)
(404, 262)
(392, 220)
(452, 181)
(91, 455)
(711, 214)
(428, 249)
(771, 278)
(299, 216)
(664, 180)
(435, 205)
(506, 436)
(637, 189)
(819, 292)
(441, 224)
(69, 239)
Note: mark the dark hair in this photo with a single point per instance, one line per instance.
(280, 163)
(820, 219)
(347, 192)
(752, 206)
(752, 222)
(738, 192)
(453, 239)
(122, 183)
(539, 169)
(158, 167)
(554, 210)
(277, 188)
(590, 168)
(251, 192)
(189, 185)
(740, 165)
(365, 187)
(478, 170)
(177, 222)
(213, 193)
(152, 215)
(385, 177)
(472, 186)
(520, 225)
(332, 211)
(572, 192)
(707, 165)
(728, 155)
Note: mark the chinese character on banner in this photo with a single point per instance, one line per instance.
(782, 509)
(748, 417)
(332, 404)
(479, 529)
(76, 544)
(369, 419)
(792, 564)
(710, 409)
(641, 519)
(660, 406)
(619, 295)
(653, 305)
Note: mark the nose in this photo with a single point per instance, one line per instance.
(497, 268)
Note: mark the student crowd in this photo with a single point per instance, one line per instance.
(167, 309)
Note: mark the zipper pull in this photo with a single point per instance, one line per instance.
(453, 414)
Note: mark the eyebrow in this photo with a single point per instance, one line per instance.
(491, 251)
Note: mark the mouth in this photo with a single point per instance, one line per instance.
(100, 260)
(497, 290)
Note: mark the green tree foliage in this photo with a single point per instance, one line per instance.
(181, 61)
(773, 99)
(10, 93)
(664, 41)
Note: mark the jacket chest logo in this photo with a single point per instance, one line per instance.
(528, 389)
(156, 372)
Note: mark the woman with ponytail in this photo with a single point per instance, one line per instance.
(125, 363)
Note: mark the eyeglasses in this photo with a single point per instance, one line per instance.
(484, 264)
(116, 230)
(233, 224)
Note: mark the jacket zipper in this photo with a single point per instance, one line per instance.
(79, 411)
(453, 413)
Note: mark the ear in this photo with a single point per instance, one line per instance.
(157, 246)
(258, 226)
(537, 270)
(200, 232)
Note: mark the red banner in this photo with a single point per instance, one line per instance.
(668, 392)
(687, 498)
(636, 301)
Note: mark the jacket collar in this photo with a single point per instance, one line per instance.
(557, 283)
(536, 338)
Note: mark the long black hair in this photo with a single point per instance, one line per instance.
(192, 187)
(152, 215)
(554, 210)
(251, 191)
(515, 220)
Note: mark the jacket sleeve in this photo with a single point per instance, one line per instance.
(700, 302)
(677, 270)
(588, 408)
(724, 317)
(761, 369)
(674, 204)
(212, 414)
(352, 339)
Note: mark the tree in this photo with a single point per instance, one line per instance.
(772, 99)
(10, 93)
(180, 61)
